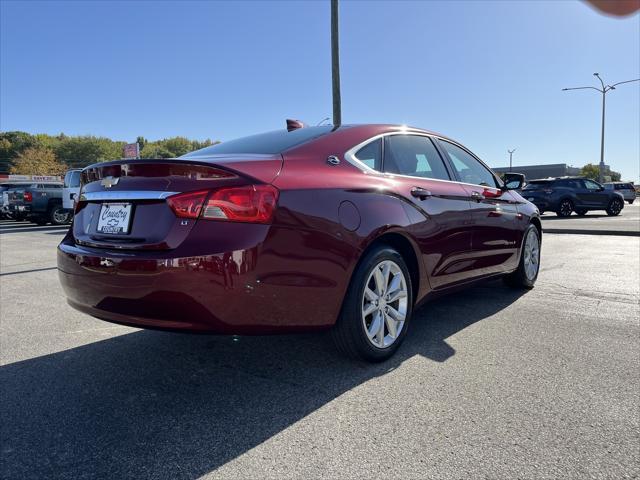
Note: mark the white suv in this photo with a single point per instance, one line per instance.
(624, 188)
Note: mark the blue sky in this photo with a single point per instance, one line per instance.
(486, 73)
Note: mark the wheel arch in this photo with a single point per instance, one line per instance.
(407, 251)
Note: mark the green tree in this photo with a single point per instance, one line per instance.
(590, 171)
(37, 161)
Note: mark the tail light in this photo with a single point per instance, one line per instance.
(251, 203)
(27, 196)
(187, 205)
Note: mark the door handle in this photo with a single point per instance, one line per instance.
(420, 193)
(477, 196)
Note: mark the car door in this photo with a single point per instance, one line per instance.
(497, 225)
(437, 207)
(593, 194)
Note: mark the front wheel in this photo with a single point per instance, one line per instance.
(377, 308)
(615, 207)
(528, 267)
(565, 208)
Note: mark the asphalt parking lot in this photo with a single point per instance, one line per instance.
(491, 383)
(596, 223)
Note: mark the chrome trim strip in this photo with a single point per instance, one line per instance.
(350, 157)
(125, 195)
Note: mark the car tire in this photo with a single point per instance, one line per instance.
(630, 202)
(365, 329)
(615, 207)
(58, 215)
(565, 208)
(526, 274)
(581, 211)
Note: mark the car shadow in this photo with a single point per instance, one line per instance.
(154, 404)
(574, 217)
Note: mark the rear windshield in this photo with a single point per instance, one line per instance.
(263, 143)
(535, 184)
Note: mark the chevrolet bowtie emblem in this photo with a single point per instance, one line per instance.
(108, 182)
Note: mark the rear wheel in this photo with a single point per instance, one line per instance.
(527, 273)
(377, 308)
(565, 208)
(581, 211)
(615, 207)
(58, 215)
(630, 202)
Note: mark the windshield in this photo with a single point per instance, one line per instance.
(72, 179)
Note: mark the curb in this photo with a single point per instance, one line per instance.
(621, 233)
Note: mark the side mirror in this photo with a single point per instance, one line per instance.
(513, 181)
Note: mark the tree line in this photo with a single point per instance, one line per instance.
(41, 154)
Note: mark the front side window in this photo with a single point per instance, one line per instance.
(469, 169)
(413, 155)
(591, 185)
(371, 154)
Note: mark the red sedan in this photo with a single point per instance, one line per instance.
(294, 230)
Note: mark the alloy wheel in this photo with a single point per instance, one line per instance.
(384, 304)
(615, 207)
(60, 216)
(531, 255)
(566, 208)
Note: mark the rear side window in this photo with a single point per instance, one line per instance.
(537, 185)
(263, 143)
(469, 168)
(569, 183)
(371, 154)
(415, 156)
(624, 186)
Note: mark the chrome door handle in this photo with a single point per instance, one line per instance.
(420, 193)
(477, 196)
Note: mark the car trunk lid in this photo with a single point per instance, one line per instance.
(123, 204)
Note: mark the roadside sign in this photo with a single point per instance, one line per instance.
(131, 150)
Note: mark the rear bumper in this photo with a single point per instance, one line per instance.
(16, 208)
(237, 291)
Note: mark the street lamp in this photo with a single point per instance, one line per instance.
(511, 157)
(604, 90)
(335, 65)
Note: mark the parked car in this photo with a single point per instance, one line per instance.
(627, 190)
(319, 227)
(4, 197)
(565, 195)
(40, 202)
(71, 188)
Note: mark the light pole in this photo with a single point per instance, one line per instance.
(511, 157)
(604, 90)
(335, 65)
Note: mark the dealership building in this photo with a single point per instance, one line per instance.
(541, 171)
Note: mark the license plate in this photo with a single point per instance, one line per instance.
(114, 218)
